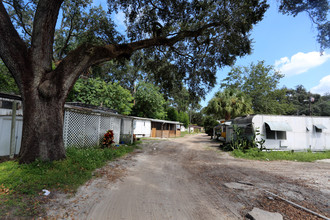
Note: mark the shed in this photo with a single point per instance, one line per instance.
(286, 132)
(165, 129)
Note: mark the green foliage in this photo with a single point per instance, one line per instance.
(193, 60)
(242, 141)
(229, 104)
(259, 82)
(98, 92)
(197, 118)
(23, 182)
(172, 114)
(300, 98)
(184, 118)
(209, 124)
(256, 154)
(149, 102)
(7, 82)
(82, 23)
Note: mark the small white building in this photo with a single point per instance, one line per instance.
(286, 132)
(142, 127)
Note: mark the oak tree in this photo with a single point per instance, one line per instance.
(196, 36)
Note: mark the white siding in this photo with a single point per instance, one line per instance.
(142, 128)
(302, 136)
(5, 129)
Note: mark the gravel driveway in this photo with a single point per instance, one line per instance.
(190, 178)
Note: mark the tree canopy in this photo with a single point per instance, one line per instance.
(47, 44)
(229, 104)
(149, 102)
(98, 92)
(260, 83)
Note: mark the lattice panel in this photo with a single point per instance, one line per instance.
(92, 129)
(85, 130)
(74, 129)
(112, 123)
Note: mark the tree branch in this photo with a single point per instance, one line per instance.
(13, 50)
(86, 55)
(43, 33)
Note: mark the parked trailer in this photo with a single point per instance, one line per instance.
(285, 132)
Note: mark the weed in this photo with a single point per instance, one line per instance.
(256, 154)
(22, 184)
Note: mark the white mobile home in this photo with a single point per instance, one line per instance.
(286, 132)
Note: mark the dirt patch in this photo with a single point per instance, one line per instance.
(190, 178)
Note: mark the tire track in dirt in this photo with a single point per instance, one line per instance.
(187, 178)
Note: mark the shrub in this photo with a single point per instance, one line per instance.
(108, 139)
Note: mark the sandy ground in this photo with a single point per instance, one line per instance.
(190, 178)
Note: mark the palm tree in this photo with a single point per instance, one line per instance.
(229, 104)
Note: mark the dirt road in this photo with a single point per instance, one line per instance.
(190, 178)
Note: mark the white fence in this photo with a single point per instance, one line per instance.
(85, 128)
(82, 128)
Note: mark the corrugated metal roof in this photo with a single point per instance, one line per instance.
(320, 126)
(164, 121)
(279, 126)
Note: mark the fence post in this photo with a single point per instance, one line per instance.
(132, 131)
(12, 132)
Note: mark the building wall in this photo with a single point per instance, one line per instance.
(5, 130)
(302, 136)
(142, 128)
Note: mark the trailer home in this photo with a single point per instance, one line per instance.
(285, 132)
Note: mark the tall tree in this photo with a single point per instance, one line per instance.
(149, 102)
(304, 102)
(229, 104)
(98, 92)
(184, 118)
(197, 36)
(172, 114)
(260, 82)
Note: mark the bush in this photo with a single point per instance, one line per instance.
(209, 124)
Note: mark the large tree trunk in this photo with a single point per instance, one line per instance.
(42, 128)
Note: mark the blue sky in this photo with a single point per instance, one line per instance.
(289, 44)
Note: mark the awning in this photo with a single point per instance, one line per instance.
(227, 123)
(320, 126)
(278, 126)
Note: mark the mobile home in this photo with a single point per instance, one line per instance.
(285, 132)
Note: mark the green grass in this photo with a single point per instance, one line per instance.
(21, 184)
(255, 154)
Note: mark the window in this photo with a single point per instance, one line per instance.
(319, 127)
(274, 135)
(269, 133)
(318, 130)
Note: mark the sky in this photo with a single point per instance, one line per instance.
(288, 43)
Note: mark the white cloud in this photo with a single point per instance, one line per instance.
(300, 62)
(323, 87)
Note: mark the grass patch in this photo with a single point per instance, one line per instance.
(22, 184)
(255, 154)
